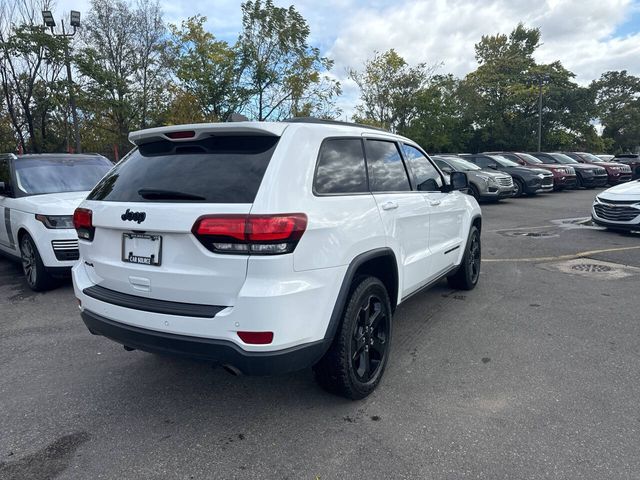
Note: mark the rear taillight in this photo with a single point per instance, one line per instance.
(83, 223)
(251, 234)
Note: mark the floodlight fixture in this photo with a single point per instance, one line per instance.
(47, 16)
(75, 18)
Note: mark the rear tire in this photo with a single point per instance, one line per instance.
(354, 364)
(467, 276)
(34, 270)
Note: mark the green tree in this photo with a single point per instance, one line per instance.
(388, 90)
(618, 102)
(30, 63)
(206, 71)
(281, 75)
(440, 123)
(122, 66)
(503, 97)
(152, 72)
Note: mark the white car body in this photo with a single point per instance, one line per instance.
(19, 216)
(23, 210)
(295, 295)
(618, 208)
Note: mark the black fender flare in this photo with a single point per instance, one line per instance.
(347, 281)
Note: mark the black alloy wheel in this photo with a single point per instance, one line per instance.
(354, 363)
(519, 187)
(369, 339)
(468, 274)
(34, 270)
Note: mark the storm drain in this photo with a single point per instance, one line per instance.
(591, 268)
(518, 233)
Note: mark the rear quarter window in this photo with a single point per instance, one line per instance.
(341, 168)
(218, 169)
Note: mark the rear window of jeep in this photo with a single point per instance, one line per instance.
(220, 169)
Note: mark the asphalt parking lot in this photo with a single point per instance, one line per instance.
(534, 374)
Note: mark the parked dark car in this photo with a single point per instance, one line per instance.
(631, 159)
(617, 172)
(587, 176)
(563, 176)
(526, 180)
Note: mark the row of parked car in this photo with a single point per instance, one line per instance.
(269, 247)
(496, 175)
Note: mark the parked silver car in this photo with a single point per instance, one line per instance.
(483, 184)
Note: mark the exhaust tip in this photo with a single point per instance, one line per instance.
(232, 370)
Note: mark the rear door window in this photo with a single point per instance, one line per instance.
(218, 169)
(386, 168)
(341, 168)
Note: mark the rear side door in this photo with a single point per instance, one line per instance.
(446, 210)
(404, 213)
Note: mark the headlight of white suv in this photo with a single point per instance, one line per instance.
(56, 221)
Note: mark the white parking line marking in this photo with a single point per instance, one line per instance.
(561, 257)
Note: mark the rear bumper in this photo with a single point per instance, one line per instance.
(278, 302)
(217, 351)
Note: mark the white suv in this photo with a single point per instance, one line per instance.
(38, 195)
(271, 247)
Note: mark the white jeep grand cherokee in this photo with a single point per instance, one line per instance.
(271, 247)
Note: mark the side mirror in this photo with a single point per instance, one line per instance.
(458, 181)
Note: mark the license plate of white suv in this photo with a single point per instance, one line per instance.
(142, 248)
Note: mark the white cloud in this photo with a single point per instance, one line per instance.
(579, 33)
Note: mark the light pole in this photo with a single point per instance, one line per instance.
(49, 21)
(541, 80)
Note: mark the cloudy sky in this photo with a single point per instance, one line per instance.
(587, 36)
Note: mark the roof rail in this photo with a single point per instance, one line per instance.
(331, 122)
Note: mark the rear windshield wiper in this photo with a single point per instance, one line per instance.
(156, 194)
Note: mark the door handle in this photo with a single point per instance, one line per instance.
(389, 205)
(434, 203)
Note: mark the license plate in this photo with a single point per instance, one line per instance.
(141, 248)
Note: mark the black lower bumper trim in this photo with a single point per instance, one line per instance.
(595, 181)
(152, 304)
(217, 351)
(616, 226)
(59, 272)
